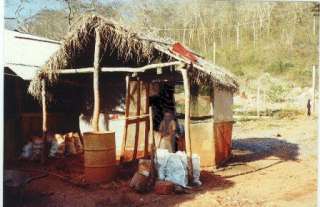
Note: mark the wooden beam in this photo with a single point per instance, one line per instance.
(44, 120)
(186, 86)
(137, 120)
(96, 92)
(119, 69)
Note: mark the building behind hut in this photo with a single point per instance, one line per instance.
(23, 56)
(138, 71)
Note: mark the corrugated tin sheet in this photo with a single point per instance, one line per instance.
(23, 71)
(25, 53)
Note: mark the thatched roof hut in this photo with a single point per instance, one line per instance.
(122, 47)
(131, 64)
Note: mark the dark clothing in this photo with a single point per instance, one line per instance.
(309, 108)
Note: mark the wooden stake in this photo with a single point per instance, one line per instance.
(186, 86)
(314, 25)
(214, 52)
(254, 35)
(221, 37)
(44, 120)
(238, 35)
(258, 100)
(313, 88)
(96, 92)
(264, 101)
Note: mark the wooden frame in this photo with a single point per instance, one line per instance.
(137, 119)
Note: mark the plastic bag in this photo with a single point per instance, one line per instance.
(53, 148)
(174, 167)
(175, 171)
(26, 151)
(57, 145)
(162, 156)
(196, 169)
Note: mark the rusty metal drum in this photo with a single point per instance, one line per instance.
(99, 156)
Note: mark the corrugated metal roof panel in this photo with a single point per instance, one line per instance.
(26, 72)
(25, 53)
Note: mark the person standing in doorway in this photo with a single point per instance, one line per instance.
(167, 131)
(309, 107)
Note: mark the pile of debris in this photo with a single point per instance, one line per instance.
(59, 145)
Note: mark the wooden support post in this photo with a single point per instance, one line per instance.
(44, 120)
(136, 139)
(254, 35)
(186, 86)
(96, 92)
(124, 139)
(314, 89)
(153, 155)
(151, 126)
(147, 129)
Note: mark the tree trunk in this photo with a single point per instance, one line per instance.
(96, 92)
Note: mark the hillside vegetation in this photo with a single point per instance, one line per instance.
(272, 44)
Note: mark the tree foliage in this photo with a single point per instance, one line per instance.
(251, 38)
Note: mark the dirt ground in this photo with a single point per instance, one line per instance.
(274, 164)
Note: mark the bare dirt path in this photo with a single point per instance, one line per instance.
(274, 164)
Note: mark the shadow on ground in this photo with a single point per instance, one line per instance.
(253, 149)
(246, 151)
(54, 191)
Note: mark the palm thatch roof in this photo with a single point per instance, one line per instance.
(121, 47)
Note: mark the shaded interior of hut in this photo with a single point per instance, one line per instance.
(124, 100)
(124, 107)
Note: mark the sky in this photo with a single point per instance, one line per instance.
(29, 7)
